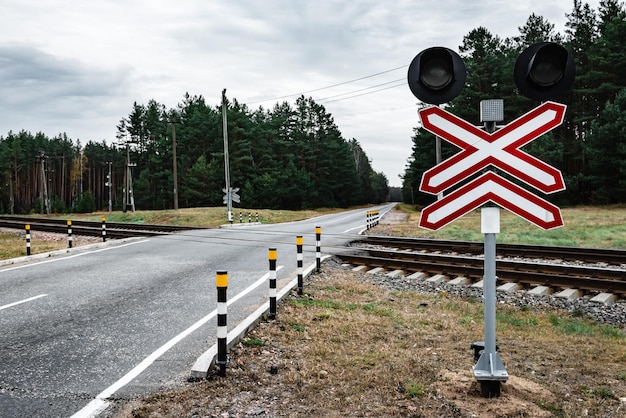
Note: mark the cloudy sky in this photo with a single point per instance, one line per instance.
(78, 66)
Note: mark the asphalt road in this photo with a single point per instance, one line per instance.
(130, 319)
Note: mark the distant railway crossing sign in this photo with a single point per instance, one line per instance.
(233, 195)
(500, 149)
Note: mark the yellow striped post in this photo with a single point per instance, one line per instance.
(221, 280)
(318, 248)
(104, 229)
(27, 227)
(69, 233)
(272, 276)
(299, 243)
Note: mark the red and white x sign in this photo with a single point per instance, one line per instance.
(490, 187)
(500, 149)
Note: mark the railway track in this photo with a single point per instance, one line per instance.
(443, 258)
(91, 228)
(577, 254)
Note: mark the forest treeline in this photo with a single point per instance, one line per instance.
(289, 157)
(590, 146)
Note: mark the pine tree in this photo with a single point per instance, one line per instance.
(606, 149)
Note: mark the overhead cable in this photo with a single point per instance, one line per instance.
(327, 87)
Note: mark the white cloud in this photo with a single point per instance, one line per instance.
(77, 67)
(42, 92)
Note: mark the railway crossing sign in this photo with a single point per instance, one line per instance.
(233, 195)
(482, 150)
(543, 71)
(491, 187)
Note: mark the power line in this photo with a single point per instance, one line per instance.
(363, 89)
(349, 115)
(369, 92)
(328, 87)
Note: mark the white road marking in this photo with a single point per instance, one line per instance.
(352, 229)
(52, 260)
(100, 403)
(22, 301)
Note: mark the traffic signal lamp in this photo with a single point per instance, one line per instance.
(544, 71)
(436, 75)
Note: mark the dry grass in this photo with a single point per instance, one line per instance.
(585, 226)
(208, 217)
(351, 348)
(13, 244)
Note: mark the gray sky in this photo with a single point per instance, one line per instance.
(78, 66)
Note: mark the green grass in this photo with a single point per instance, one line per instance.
(415, 390)
(515, 319)
(253, 342)
(584, 226)
(376, 308)
(579, 326)
(602, 392)
(298, 328)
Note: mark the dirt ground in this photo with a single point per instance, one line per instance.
(394, 217)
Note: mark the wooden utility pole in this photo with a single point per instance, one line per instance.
(43, 189)
(175, 165)
(11, 197)
(229, 201)
(129, 199)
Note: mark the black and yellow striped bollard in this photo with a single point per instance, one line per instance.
(299, 243)
(221, 280)
(318, 248)
(27, 227)
(69, 233)
(272, 276)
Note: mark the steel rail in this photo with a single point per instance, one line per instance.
(606, 255)
(91, 228)
(525, 273)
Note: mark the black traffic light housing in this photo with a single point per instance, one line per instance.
(544, 71)
(436, 75)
